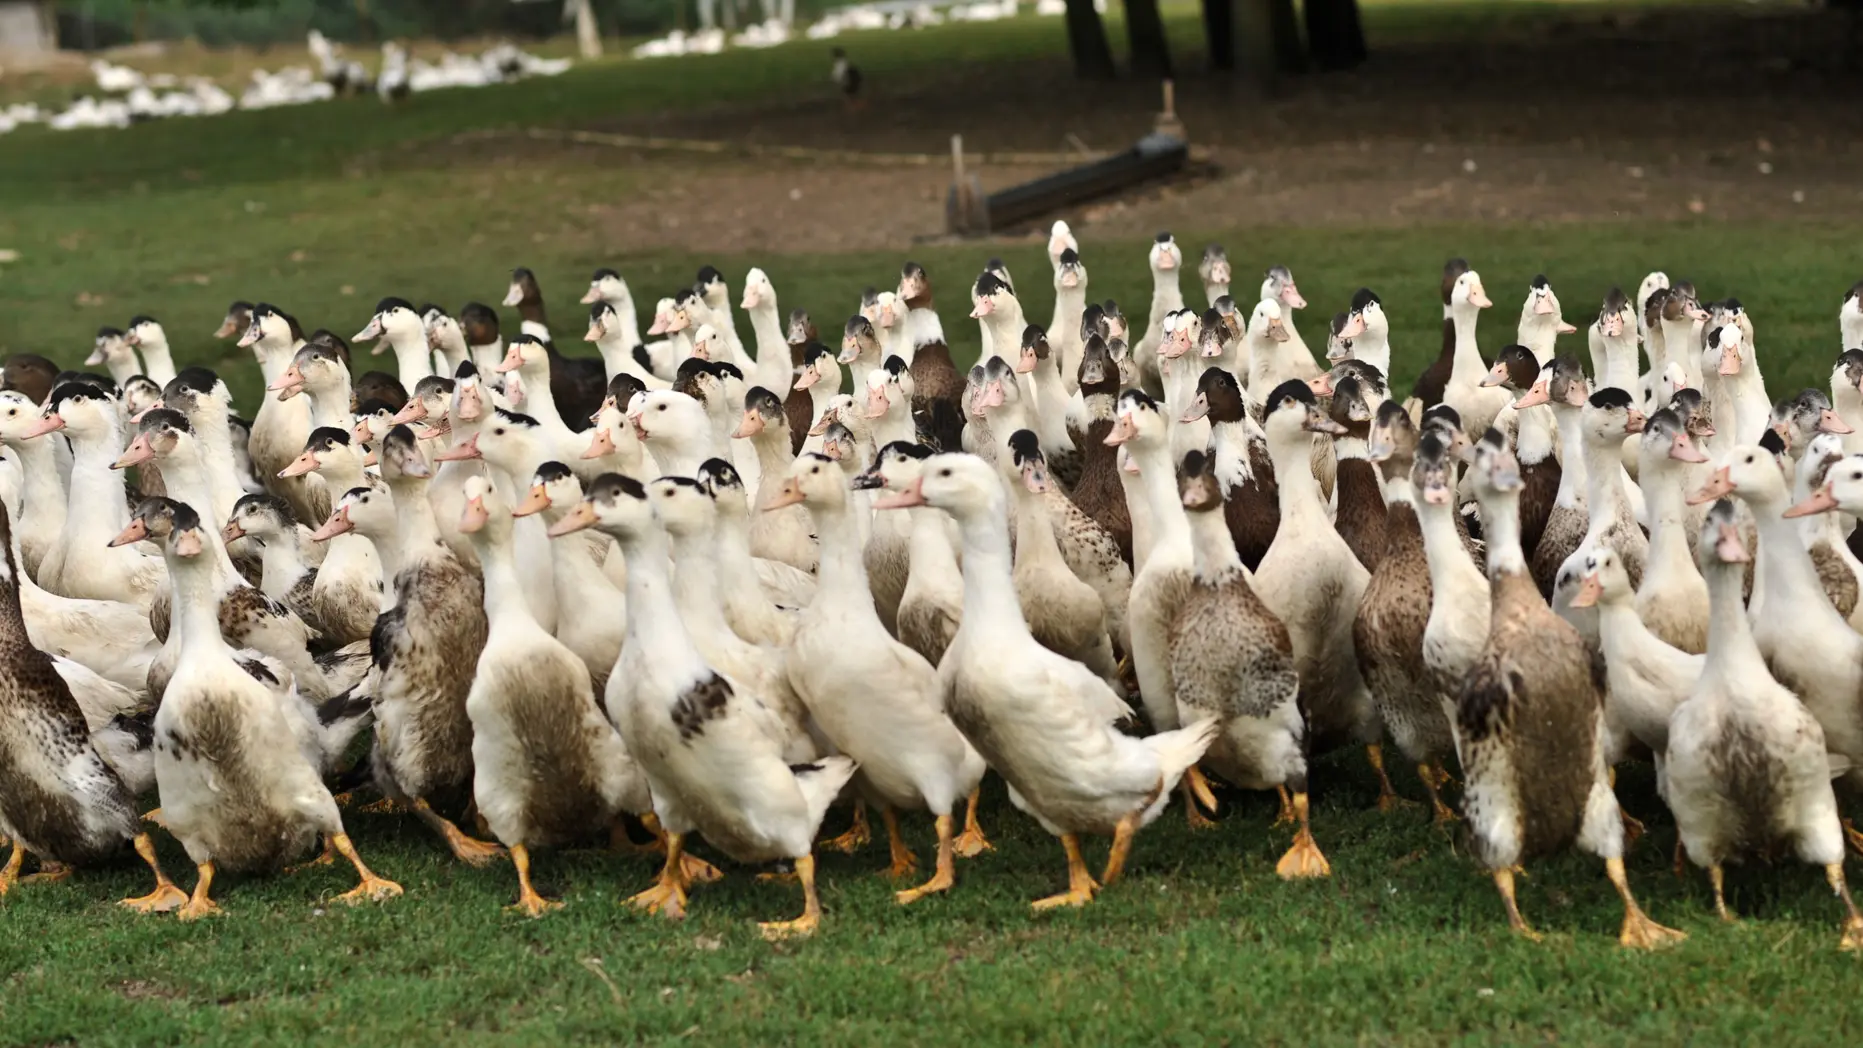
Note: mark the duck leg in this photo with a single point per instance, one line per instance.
(1853, 921)
(154, 815)
(667, 897)
(50, 872)
(372, 888)
(529, 903)
(1434, 776)
(811, 918)
(198, 904)
(856, 836)
(904, 863)
(1080, 884)
(1197, 789)
(697, 870)
(1854, 836)
(972, 843)
(1287, 816)
(946, 873)
(469, 850)
(1718, 879)
(166, 896)
(1388, 798)
(1303, 858)
(1504, 881)
(1639, 931)
(10, 875)
(1633, 826)
(327, 857)
(1122, 847)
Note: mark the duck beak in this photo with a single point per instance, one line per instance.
(592, 295)
(991, 396)
(1290, 297)
(471, 405)
(46, 424)
(1124, 429)
(1199, 408)
(1588, 592)
(1567, 329)
(1730, 548)
(912, 496)
(253, 334)
(751, 298)
(659, 325)
(96, 358)
(228, 327)
(137, 417)
(1730, 360)
(139, 451)
(1318, 423)
(373, 331)
(136, 532)
(581, 516)
(515, 295)
(232, 532)
(1613, 326)
(415, 410)
(601, 444)
(371, 459)
(474, 517)
(1718, 486)
(1277, 330)
(360, 432)
(983, 307)
(809, 377)
(877, 403)
(1478, 297)
(596, 330)
(1822, 500)
(850, 350)
(1321, 385)
(1542, 306)
(536, 502)
(751, 425)
(514, 359)
(1829, 422)
(1497, 375)
(790, 494)
(461, 452)
(829, 418)
(1354, 326)
(289, 384)
(1541, 393)
(1684, 450)
(299, 466)
(1636, 421)
(1025, 364)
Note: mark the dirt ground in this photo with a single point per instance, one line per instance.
(1736, 115)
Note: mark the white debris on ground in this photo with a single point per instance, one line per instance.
(127, 96)
(886, 14)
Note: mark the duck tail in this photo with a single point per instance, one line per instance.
(821, 781)
(1178, 750)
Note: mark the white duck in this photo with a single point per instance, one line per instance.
(400, 328)
(145, 335)
(1646, 678)
(81, 564)
(1476, 404)
(1541, 323)
(1672, 599)
(1167, 262)
(1044, 722)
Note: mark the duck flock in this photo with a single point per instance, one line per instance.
(695, 593)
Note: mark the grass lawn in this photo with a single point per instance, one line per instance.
(325, 209)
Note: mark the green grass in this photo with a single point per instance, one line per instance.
(1201, 943)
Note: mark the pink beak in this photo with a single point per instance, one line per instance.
(600, 445)
(48, 424)
(461, 452)
(338, 524)
(139, 451)
(1290, 297)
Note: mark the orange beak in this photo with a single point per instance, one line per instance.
(139, 451)
(1821, 501)
(909, 497)
(136, 532)
(601, 444)
(581, 516)
(461, 452)
(474, 516)
(536, 502)
(1720, 485)
(790, 494)
(301, 465)
(1588, 592)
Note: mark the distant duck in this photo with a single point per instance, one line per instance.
(847, 77)
(392, 85)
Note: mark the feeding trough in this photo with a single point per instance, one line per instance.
(969, 212)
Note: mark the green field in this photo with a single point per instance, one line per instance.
(325, 209)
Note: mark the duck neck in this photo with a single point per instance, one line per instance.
(539, 398)
(843, 571)
(1620, 362)
(215, 437)
(12, 618)
(274, 357)
(1604, 482)
(653, 621)
(1667, 507)
(343, 473)
(1374, 348)
(417, 532)
(1732, 652)
(505, 602)
(695, 563)
(1051, 401)
(1534, 435)
(329, 406)
(930, 550)
(195, 608)
(1677, 337)
(43, 496)
(630, 318)
(157, 362)
(1442, 544)
(1300, 499)
(1500, 520)
(1468, 366)
(413, 362)
(991, 606)
(1572, 471)
(617, 355)
(1170, 528)
(1035, 542)
(281, 563)
(1213, 548)
(1785, 567)
(1229, 446)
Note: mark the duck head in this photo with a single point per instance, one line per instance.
(1617, 315)
(395, 318)
(1219, 398)
(161, 433)
(1468, 292)
(606, 285)
(1433, 471)
(1292, 411)
(895, 468)
(1267, 323)
(962, 485)
(523, 289)
(1070, 273)
(813, 480)
(1721, 542)
(365, 511)
(858, 339)
(758, 291)
(1749, 471)
(238, 319)
(1515, 368)
(1666, 439)
(1602, 578)
(1842, 489)
(266, 518)
(1542, 306)
(1165, 258)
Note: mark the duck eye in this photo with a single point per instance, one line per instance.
(662, 407)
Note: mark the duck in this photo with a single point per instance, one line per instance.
(146, 336)
(1562, 386)
(204, 400)
(110, 351)
(484, 345)
(1098, 492)
(1215, 272)
(1518, 370)
(613, 445)
(612, 337)
(339, 598)
(1478, 405)
(532, 707)
(1528, 724)
(1273, 355)
(1240, 461)
(233, 791)
(938, 400)
(1428, 392)
(529, 362)
(1166, 261)
(716, 296)
(446, 338)
(29, 373)
(1068, 343)
(911, 756)
(1747, 769)
(526, 297)
(1608, 418)
(785, 535)
(1232, 660)
(774, 370)
(512, 446)
(1646, 677)
(765, 613)
(1388, 634)
(1541, 323)
(1742, 410)
(41, 521)
(1838, 568)
(61, 798)
(1365, 333)
(81, 564)
(238, 319)
(1065, 614)
(1670, 316)
(1672, 601)
(1655, 281)
(280, 427)
(425, 649)
(401, 329)
(1613, 342)
(1459, 595)
(713, 757)
(1358, 513)
(1045, 722)
(1037, 360)
(932, 605)
(319, 374)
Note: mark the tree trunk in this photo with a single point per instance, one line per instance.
(1219, 31)
(1335, 34)
(588, 34)
(1086, 42)
(1151, 54)
(1290, 54)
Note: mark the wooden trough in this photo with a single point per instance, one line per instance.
(969, 212)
